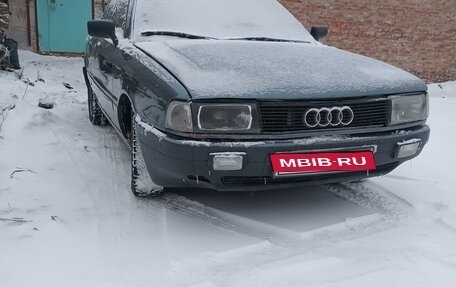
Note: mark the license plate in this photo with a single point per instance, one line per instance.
(289, 163)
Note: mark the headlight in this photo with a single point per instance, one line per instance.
(227, 118)
(179, 117)
(408, 108)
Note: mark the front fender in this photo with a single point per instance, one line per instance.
(150, 85)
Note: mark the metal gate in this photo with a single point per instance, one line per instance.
(62, 25)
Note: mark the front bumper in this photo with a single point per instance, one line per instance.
(177, 162)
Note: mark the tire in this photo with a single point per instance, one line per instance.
(96, 115)
(141, 183)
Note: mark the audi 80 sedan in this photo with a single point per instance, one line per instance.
(238, 95)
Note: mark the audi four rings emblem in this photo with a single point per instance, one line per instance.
(333, 117)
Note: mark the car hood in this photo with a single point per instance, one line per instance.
(276, 70)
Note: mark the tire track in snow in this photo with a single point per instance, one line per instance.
(281, 243)
(99, 148)
(372, 196)
(289, 239)
(111, 153)
(276, 235)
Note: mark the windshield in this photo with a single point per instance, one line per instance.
(221, 19)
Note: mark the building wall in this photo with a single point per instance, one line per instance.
(18, 22)
(416, 35)
(98, 7)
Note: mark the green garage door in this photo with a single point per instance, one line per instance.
(62, 25)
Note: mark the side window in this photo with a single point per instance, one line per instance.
(116, 11)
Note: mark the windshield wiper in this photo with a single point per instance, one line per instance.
(174, 34)
(265, 39)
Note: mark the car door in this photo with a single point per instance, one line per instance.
(103, 76)
(118, 15)
(120, 19)
(102, 55)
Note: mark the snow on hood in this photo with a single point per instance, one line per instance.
(251, 69)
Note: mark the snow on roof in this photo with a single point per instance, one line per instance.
(219, 18)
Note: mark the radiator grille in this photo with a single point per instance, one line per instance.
(281, 117)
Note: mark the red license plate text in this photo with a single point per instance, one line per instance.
(322, 162)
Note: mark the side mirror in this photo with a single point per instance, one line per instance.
(319, 32)
(103, 29)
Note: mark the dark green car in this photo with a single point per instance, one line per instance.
(238, 95)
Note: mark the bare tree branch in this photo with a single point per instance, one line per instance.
(19, 169)
(4, 110)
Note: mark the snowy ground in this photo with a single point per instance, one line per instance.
(67, 217)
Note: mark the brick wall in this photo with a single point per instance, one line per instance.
(416, 35)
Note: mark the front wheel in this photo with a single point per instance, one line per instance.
(96, 115)
(141, 183)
